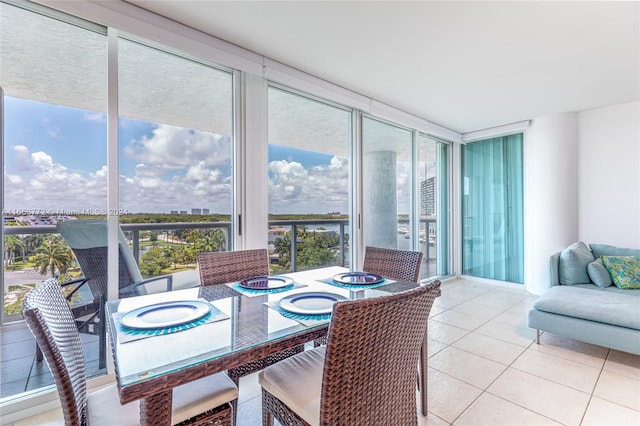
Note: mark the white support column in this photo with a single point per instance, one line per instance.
(252, 165)
(113, 172)
(380, 212)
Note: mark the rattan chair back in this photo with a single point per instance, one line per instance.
(49, 317)
(228, 266)
(396, 264)
(373, 348)
(93, 263)
(88, 241)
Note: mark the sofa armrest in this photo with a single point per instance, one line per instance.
(554, 268)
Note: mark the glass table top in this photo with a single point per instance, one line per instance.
(236, 323)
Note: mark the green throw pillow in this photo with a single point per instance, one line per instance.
(624, 270)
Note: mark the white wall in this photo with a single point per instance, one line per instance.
(551, 193)
(582, 183)
(609, 175)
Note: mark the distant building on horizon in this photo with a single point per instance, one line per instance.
(196, 211)
(205, 211)
(428, 197)
(174, 211)
(183, 212)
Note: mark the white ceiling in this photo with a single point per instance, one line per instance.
(464, 65)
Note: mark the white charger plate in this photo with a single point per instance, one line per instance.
(310, 303)
(166, 314)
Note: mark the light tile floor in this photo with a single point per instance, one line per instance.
(486, 369)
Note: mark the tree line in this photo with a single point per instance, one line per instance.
(50, 254)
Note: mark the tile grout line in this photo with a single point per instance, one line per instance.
(595, 385)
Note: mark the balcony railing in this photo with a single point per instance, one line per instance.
(340, 225)
(135, 228)
(291, 227)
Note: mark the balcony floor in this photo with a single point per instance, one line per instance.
(484, 368)
(19, 371)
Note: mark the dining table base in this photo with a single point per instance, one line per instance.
(156, 409)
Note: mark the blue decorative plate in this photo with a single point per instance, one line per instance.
(266, 283)
(310, 303)
(358, 278)
(167, 314)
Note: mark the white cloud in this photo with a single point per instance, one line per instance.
(51, 186)
(176, 169)
(176, 147)
(95, 117)
(321, 189)
(102, 173)
(22, 157)
(51, 130)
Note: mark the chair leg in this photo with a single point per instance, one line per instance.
(234, 404)
(267, 416)
(537, 336)
(39, 355)
(422, 377)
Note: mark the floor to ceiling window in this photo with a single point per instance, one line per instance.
(405, 193)
(433, 226)
(175, 176)
(386, 185)
(175, 158)
(54, 76)
(309, 181)
(492, 209)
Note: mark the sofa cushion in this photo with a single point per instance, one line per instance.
(600, 250)
(624, 270)
(593, 305)
(599, 274)
(573, 264)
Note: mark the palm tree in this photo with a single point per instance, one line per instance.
(12, 245)
(173, 254)
(283, 248)
(219, 238)
(53, 254)
(33, 241)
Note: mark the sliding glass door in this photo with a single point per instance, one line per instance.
(308, 175)
(386, 185)
(175, 159)
(433, 226)
(54, 78)
(405, 193)
(492, 209)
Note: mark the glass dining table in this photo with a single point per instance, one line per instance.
(214, 328)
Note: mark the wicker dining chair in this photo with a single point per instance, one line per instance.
(366, 373)
(88, 241)
(45, 309)
(220, 268)
(395, 264)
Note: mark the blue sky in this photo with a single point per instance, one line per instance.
(55, 158)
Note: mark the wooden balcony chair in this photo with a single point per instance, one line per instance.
(220, 268)
(88, 241)
(366, 373)
(45, 309)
